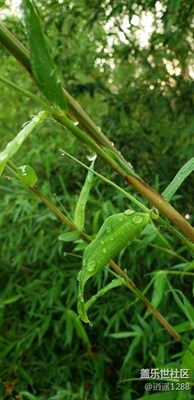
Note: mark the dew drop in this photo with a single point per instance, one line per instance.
(102, 242)
(108, 229)
(111, 239)
(130, 165)
(129, 212)
(91, 157)
(125, 270)
(64, 254)
(104, 250)
(120, 219)
(23, 169)
(137, 219)
(91, 324)
(62, 152)
(91, 266)
(78, 277)
(81, 298)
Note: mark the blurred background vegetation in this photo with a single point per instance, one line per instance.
(129, 64)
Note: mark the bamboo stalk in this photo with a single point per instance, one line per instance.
(22, 55)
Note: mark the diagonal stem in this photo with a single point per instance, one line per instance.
(22, 55)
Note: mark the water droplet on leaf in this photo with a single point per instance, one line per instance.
(129, 212)
(62, 152)
(91, 157)
(27, 175)
(81, 298)
(78, 277)
(137, 219)
(84, 263)
(91, 266)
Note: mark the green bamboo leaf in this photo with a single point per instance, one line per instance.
(79, 216)
(13, 146)
(185, 306)
(183, 327)
(189, 266)
(123, 335)
(188, 358)
(69, 236)
(44, 328)
(117, 232)
(159, 288)
(70, 314)
(10, 300)
(43, 67)
(27, 175)
(187, 363)
(179, 178)
(27, 395)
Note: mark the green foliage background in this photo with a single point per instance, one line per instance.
(142, 98)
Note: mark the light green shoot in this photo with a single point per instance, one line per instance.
(126, 194)
(13, 146)
(79, 216)
(111, 285)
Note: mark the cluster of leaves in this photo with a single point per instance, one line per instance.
(46, 352)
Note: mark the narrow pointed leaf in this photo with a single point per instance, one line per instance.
(43, 67)
(179, 178)
(79, 216)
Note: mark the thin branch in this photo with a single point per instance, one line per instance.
(22, 55)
